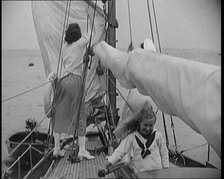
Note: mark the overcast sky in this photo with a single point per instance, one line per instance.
(181, 23)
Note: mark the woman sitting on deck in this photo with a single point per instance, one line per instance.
(149, 149)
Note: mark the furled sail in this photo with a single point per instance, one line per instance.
(49, 20)
(188, 89)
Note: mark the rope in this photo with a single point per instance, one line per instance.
(27, 91)
(157, 31)
(107, 119)
(113, 121)
(208, 152)
(92, 26)
(63, 35)
(156, 110)
(164, 122)
(120, 94)
(89, 46)
(66, 14)
(65, 20)
(172, 124)
(82, 76)
(165, 129)
(193, 148)
(86, 61)
(150, 20)
(174, 136)
(130, 47)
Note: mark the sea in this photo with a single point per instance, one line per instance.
(23, 70)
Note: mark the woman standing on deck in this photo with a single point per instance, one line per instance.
(68, 91)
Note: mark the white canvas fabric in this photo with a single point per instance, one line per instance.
(134, 101)
(188, 89)
(149, 45)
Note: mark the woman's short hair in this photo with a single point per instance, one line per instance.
(73, 33)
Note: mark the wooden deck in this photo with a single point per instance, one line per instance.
(84, 169)
(80, 170)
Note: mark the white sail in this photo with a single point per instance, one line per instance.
(188, 89)
(49, 20)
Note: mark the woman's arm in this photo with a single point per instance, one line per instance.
(48, 95)
(125, 146)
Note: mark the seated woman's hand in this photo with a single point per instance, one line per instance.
(102, 171)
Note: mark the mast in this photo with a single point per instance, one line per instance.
(111, 38)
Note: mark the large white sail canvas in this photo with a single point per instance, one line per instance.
(188, 89)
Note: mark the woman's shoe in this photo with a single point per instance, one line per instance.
(85, 154)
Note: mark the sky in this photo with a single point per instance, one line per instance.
(183, 24)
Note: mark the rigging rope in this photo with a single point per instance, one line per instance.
(107, 120)
(174, 136)
(67, 13)
(67, 18)
(172, 124)
(60, 62)
(94, 14)
(27, 91)
(157, 31)
(165, 129)
(120, 94)
(62, 36)
(193, 147)
(164, 122)
(85, 61)
(150, 21)
(130, 47)
(65, 22)
(83, 75)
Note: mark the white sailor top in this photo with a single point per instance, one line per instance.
(148, 154)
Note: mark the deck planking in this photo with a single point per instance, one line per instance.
(83, 169)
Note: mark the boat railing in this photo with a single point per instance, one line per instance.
(18, 161)
(29, 149)
(38, 164)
